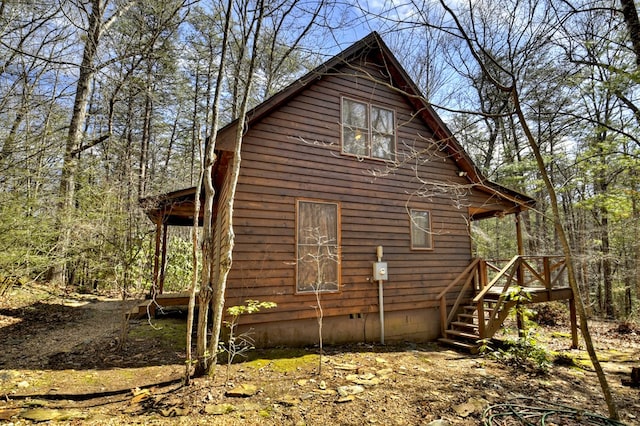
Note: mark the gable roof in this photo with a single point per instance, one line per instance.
(374, 45)
(371, 45)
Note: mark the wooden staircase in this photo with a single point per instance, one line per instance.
(482, 306)
(464, 332)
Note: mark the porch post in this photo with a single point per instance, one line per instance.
(519, 234)
(520, 273)
(574, 322)
(163, 263)
(156, 259)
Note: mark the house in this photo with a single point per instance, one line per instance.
(347, 175)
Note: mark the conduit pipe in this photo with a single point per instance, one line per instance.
(379, 252)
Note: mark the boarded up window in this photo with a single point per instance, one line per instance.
(421, 229)
(318, 261)
(367, 130)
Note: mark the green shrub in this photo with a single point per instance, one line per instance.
(521, 353)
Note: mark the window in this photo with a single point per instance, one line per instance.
(421, 229)
(317, 241)
(367, 130)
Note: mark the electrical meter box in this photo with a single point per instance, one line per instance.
(380, 271)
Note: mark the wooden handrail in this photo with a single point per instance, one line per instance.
(523, 270)
(467, 270)
(495, 279)
(445, 319)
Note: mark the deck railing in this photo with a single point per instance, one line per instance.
(482, 277)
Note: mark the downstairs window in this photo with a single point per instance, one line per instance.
(317, 244)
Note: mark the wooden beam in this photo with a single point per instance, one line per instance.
(519, 233)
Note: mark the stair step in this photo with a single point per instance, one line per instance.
(469, 347)
(462, 334)
(465, 325)
(468, 309)
(468, 318)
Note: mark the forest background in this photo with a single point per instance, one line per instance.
(104, 102)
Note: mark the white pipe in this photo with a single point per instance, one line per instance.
(379, 252)
(381, 303)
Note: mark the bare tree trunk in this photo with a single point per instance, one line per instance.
(227, 255)
(564, 241)
(630, 14)
(194, 279)
(510, 88)
(74, 136)
(78, 119)
(636, 248)
(206, 287)
(146, 136)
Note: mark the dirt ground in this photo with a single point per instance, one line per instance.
(71, 359)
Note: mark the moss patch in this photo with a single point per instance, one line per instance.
(284, 365)
(560, 335)
(282, 360)
(167, 332)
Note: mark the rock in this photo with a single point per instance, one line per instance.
(384, 372)
(41, 414)
(325, 391)
(72, 414)
(139, 397)
(381, 360)
(218, 409)
(347, 398)
(348, 367)
(243, 391)
(47, 414)
(439, 422)
(350, 390)
(289, 401)
(473, 405)
(365, 379)
(23, 384)
(7, 413)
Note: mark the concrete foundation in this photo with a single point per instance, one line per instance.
(418, 325)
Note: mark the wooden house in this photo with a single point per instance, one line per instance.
(352, 190)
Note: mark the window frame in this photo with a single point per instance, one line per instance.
(413, 226)
(370, 131)
(299, 289)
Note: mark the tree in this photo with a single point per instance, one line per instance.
(99, 20)
(239, 58)
(523, 48)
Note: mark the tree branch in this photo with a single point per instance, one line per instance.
(91, 144)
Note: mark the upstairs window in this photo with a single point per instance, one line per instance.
(317, 241)
(367, 130)
(421, 230)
